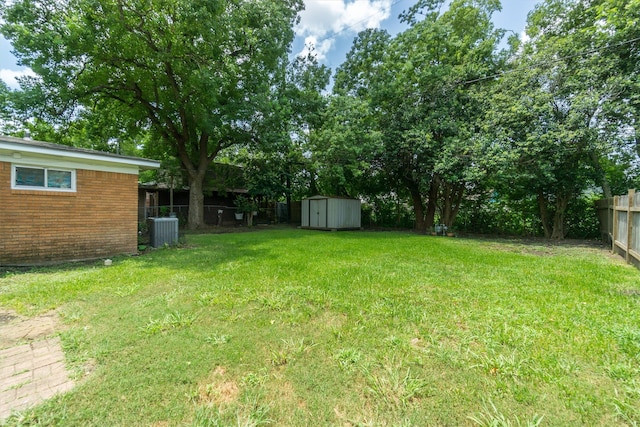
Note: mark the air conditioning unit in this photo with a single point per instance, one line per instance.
(163, 231)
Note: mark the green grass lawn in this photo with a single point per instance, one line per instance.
(304, 328)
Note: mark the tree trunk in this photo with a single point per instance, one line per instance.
(451, 198)
(196, 203)
(544, 215)
(604, 182)
(432, 203)
(418, 204)
(418, 209)
(562, 202)
(288, 191)
(196, 174)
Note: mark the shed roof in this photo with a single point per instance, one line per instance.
(10, 144)
(321, 197)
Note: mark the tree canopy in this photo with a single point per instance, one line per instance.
(197, 74)
(414, 85)
(440, 117)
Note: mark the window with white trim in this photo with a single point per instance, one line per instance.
(39, 178)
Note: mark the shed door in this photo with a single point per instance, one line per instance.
(318, 213)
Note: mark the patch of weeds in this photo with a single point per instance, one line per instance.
(275, 302)
(510, 365)
(337, 333)
(551, 367)
(244, 416)
(255, 379)
(349, 358)
(125, 291)
(385, 308)
(393, 342)
(279, 358)
(73, 341)
(181, 320)
(208, 299)
(628, 340)
(297, 346)
(170, 296)
(507, 335)
(296, 317)
(153, 327)
(626, 405)
(291, 348)
(394, 385)
(627, 412)
(523, 394)
(626, 371)
(71, 316)
(492, 417)
(36, 416)
(217, 339)
(173, 320)
(164, 298)
(370, 418)
(76, 350)
(233, 315)
(207, 416)
(567, 366)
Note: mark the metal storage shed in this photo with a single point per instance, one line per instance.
(330, 213)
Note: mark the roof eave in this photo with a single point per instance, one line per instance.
(46, 149)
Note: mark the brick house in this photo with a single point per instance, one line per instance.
(60, 203)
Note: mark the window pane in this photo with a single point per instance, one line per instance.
(30, 177)
(58, 179)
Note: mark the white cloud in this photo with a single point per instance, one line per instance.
(363, 14)
(10, 77)
(318, 48)
(321, 17)
(323, 20)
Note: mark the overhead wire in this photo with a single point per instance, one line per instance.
(553, 61)
(496, 75)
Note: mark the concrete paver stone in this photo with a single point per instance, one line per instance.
(30, 372)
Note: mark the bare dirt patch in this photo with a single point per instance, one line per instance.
(218, 389)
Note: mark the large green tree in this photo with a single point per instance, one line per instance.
(278, 166)
(7, 109)
(196, 73)
(418, 88)
(565, 108)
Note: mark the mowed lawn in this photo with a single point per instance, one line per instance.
(287, 327)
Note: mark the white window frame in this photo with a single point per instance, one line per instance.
(14, 186)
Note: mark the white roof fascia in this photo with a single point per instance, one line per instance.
(36, 148)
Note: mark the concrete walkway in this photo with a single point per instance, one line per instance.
(31, 362)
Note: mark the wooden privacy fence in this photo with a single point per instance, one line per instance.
(620, 219)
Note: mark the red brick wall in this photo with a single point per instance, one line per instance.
(98, 220)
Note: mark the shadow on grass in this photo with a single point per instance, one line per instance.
(57, 267)
(142, 257)
(243, 245)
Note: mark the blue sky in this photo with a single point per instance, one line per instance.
(331, 25)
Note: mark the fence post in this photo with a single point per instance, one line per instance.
(615, 224)
(632, 194)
